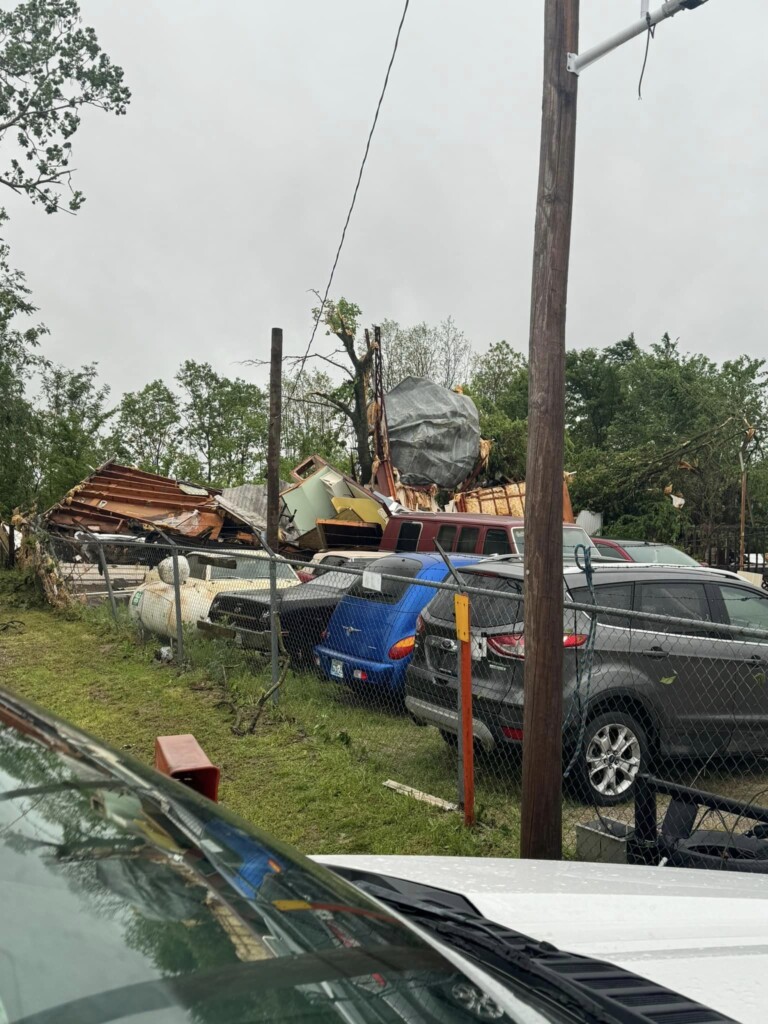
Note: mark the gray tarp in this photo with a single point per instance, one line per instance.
(434, 433)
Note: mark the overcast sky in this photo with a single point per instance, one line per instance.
(217, 202)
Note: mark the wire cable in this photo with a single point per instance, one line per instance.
(352, 204)
(648, 38)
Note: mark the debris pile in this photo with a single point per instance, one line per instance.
(123, 501)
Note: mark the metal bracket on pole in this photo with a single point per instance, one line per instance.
(577, 62)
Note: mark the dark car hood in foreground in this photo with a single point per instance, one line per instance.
(126, 896)
(124, 893)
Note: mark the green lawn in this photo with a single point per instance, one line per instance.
(311, 773)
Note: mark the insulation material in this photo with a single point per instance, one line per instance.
(505, 500)
(434, 433)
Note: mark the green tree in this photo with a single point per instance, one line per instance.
(50, 68)
(225, 426)
(72, 417)
(311, 426)
(18, 359)
(677, 424)
(352, 397)
(593, 390)
(499, 388)
(147, 429)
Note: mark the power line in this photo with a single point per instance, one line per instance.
(352, 204)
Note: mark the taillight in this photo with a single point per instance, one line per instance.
(420, 627)
(574, 639)
(509, 732)
(508, 645)
(305, 576)
(512, 645)
(402, 648)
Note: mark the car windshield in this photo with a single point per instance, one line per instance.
(662, 554)
(124, 902)
(573, 536)
(252, 568)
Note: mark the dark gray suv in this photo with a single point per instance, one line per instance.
(655, 690)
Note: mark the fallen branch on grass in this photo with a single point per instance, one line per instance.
(12, 624)
(261, 703)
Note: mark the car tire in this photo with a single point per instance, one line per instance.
(615, 748)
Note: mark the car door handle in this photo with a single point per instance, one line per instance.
(757, 658)
(655, 652)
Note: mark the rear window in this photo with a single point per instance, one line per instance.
(386, 591)
(499, 605)
(609, 595)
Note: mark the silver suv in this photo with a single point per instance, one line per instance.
(648, 689)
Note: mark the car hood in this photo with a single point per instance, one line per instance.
(702, 933)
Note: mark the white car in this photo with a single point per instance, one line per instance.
(202, 577)
(703, 934)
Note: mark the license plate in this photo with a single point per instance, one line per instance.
(337, 668)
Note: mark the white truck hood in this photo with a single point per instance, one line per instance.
(701, 933)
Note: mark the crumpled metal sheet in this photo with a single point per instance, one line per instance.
(127, 501)
(434, 433)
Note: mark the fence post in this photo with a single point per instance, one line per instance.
(466, 736)
(11, 545)
(273, 627)
(177, 603)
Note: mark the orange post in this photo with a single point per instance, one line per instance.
(467, 740)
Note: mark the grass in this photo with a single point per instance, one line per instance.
(311, 773)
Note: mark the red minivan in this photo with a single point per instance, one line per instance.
(466, 534)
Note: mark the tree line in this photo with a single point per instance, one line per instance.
(643, 425)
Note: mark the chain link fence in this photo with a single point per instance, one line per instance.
(665, 679)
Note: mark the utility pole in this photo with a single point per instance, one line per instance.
(541, 812)
(273, 443)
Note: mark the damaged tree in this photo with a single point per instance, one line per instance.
(352, 397)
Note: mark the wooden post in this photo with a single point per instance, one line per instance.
(743, 517)
(541, 811)
(273, 445)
